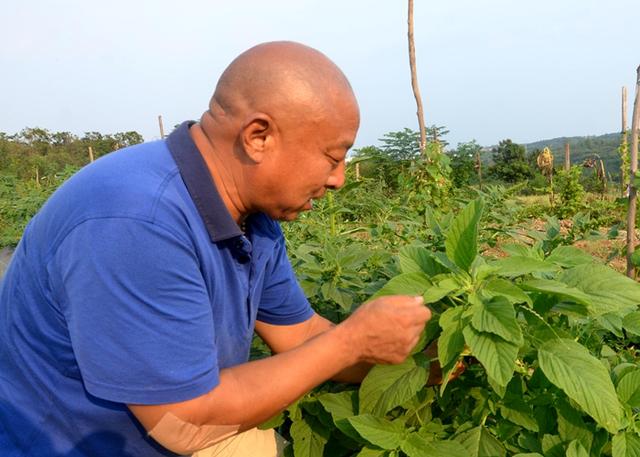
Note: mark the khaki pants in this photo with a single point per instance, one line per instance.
(252, 443)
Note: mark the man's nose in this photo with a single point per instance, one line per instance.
(336, 178)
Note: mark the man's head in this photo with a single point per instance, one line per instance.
(290, 115)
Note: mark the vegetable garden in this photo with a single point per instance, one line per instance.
(547, 332)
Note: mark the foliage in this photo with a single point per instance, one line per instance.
(463, 161)
(405, 144)
(543, 334)
(35, 161)
(569, 190)
(509, 162)
(21, 199)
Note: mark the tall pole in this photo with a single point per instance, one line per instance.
(567, 156)
(631, 215)
(479, 167)
(161, 126)
(414, 81)
(624, 145)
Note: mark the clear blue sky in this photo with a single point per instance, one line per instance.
(488, 70)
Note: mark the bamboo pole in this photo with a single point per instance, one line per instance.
(414, 81)
(567, 156)
(631, 215)
(90, 154)
(161, 125)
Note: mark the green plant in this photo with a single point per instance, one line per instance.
(546, 337)
(570, 191)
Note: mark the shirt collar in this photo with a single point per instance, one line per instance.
(195, 174)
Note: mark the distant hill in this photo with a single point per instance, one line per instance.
(582, 148)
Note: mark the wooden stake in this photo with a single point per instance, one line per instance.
(479, 167)
(414, 81)
(161, 126)
(358, 171)
(631, 215)
(567, 156)
(603, 177)
(90, 154)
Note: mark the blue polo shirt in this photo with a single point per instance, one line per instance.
(132, 284)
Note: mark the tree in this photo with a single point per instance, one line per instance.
(405, 144)
(509, 162)
(463, 163)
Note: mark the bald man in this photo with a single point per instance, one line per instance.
(130, 304)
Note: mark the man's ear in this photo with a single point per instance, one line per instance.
(258, 136)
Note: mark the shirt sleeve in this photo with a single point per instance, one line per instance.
(137, 310)
(283, 301)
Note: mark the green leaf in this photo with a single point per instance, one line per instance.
(625, 444)
(569, 256)
(371, 452)
(571, 426)
(496, 355)
(461, 243)
(340, 405)
(480, 443)
(441, 289)
(512, 267)
(275, 421)
(518, 412)
(514, 249)
(405, 284)
(497, 316)
(417, 259)
(635, 257)
(557, 288)
(451, 341)
(576, 449)
(631, 322)
(353, 256)
(378, 431)
(583, 378)
(552, 446)
(629, 389)
(388, 386)
(415, 445)
(503, 288)
(309, 437)
(609, 291)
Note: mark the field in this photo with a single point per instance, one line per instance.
(530, 298)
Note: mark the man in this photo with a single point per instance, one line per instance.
(130, 304)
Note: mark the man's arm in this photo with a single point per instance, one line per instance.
(381, 331)
(282, 338)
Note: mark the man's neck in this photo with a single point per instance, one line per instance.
(221, 170)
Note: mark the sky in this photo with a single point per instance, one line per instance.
(488, 69)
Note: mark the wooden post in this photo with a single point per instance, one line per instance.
(357, 171)
(479, 167)
(631, 215)
(414, 81)
(567, 156)
(624, 145)
(37, 177)
(90, 154)
(603, 177)
(161, 126)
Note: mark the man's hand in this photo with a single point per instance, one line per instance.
(385, 330)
